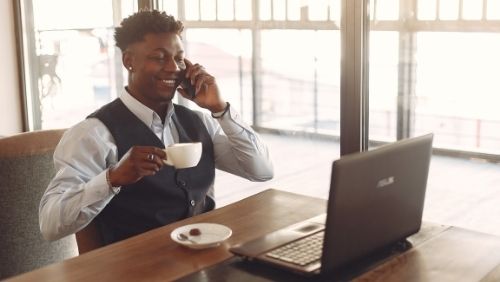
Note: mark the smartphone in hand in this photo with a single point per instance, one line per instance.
(185, 83)
(187, 86)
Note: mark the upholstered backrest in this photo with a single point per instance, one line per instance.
(26, 167)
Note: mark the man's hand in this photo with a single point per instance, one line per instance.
(138, 162)
(207, 92)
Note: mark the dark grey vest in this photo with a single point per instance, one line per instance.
(169, 195)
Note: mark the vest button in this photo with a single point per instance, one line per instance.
(192, 203)
(182, 183)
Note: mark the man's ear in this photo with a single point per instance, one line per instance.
(127, 59)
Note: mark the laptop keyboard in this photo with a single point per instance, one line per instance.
(301, 252)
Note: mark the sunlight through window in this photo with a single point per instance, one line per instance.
(426, 9)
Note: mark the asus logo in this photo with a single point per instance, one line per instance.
(385, 182)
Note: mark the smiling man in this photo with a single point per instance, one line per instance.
(110, 167)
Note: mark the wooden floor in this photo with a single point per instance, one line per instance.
(460, 192)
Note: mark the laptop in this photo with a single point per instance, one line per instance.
(376, 200)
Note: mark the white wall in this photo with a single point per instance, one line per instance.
(10, 102)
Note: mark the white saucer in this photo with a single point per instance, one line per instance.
(212, 234)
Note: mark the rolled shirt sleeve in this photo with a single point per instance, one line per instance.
(79, 190)
(238, 148)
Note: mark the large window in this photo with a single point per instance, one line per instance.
(433, 67)
(71, 63)
(300, 80)
(432, 64)
(280, 60)
(227, 54)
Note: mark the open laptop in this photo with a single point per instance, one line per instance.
(376, 200)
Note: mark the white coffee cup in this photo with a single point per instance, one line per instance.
(183, 155)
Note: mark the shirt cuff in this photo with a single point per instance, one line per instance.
(114, 189)
(97, 189)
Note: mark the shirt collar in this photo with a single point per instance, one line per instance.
(145, 114)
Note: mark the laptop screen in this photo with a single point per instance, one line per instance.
(376, 199)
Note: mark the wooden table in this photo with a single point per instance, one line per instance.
(440, 253)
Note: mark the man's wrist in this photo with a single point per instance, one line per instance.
(219, 108)
(221, 113)
(114, 189)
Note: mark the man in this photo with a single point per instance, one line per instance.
(110, 166)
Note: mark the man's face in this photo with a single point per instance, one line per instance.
(156, 64)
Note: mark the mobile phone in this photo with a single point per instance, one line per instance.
(187, 86)
(185, 83)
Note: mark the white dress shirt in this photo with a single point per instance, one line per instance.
(79, 190)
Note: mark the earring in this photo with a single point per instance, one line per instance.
(130, 68)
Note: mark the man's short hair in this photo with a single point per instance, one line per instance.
(133, 28)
